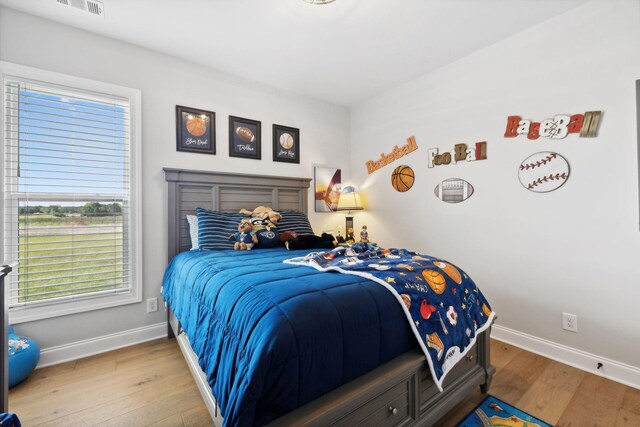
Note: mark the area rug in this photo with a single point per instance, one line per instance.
(495, 412)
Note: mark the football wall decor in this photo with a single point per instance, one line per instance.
(453, 190)
(459, 153)
(402, 178)
(396, 153)
(543, 172)
(586, 125)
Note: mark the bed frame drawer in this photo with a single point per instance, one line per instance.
(428, 388)
(390, 408)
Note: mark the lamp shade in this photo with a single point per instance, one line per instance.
(350, 202)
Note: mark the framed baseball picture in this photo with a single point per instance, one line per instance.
(245, 137)
(286, 144)
(196, 130)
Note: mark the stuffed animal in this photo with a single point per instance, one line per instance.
(245, 237)
(326, 241)
(263, 213)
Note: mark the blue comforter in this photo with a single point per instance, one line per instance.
(429, 290)
(272, 336)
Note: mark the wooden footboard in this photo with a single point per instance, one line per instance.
(399, 392)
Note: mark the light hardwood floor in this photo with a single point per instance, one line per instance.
(150, 384)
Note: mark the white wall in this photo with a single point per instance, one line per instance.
(534, 255)
(166, 81)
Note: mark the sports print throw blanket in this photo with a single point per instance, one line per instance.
(445, 309)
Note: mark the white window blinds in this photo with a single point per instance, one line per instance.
(67, 174)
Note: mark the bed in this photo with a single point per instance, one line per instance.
(388, 384)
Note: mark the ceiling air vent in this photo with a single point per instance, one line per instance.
(94, 7)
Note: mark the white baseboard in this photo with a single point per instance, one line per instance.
(611, 369)
(79, 349)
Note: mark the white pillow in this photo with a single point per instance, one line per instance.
(193, 231)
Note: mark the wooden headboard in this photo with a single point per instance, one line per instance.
(226, 192)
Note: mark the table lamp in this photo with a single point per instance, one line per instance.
(349, 201)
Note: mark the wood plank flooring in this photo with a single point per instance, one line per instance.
(150, 385)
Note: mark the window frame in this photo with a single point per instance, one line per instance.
(89, 302)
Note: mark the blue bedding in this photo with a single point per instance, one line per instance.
(272, 336)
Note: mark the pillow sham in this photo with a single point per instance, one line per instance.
(295, 221)
(193, 231)
(214, 228)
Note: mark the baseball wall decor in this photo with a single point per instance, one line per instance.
(458, 154)
(396, 153)
(453, 190)
(402, 178)
(286, 144)
(557, 128)
(543, 172)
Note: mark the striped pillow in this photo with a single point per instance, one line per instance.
(193, 231)
(295, 221)
(214, 228)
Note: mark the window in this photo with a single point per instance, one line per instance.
(70, 154)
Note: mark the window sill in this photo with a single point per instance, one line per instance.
(79, 305)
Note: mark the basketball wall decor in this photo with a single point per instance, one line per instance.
(195, 130)
(543, 172)
(396, 153)
(402, 178)
(453, 190)
(586, 125)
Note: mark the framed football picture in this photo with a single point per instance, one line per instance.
(286, 144)
(245, 138)
(196, 130)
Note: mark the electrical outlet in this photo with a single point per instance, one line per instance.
(570, 322)
(152, 305)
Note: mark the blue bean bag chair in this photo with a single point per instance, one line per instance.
(24, 354)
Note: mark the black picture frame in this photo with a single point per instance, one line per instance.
(286, 149)
(190, 135)
(245, 138)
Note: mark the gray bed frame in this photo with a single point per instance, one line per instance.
(398, 393)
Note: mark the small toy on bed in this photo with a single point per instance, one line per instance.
(364, 235)
(245, 237)
(350, 237)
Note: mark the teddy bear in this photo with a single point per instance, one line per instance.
(263, 217)
(245, 237)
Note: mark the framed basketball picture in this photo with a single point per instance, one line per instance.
(286, 144)
(245, 138)
(196, 130)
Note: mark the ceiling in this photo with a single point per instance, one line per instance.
(343, 52)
